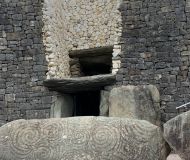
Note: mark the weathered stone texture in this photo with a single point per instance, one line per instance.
(138, 102)
(104, 103)
(173, 157)
(63, 106)
(73, 85)
(176, 133)
(76, 25)
(155, 49)
(22, 61)
(80, 138)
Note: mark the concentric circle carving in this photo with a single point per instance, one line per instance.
(44, 153)
(104, 138)
(24, 138)
(53, 131)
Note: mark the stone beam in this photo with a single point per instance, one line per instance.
(91, 52)
(73, 85)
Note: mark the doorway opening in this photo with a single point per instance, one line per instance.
(87, 103)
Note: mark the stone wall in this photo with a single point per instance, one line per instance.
(23, 65)
(77, 25)
(36, 38)
(156, 49)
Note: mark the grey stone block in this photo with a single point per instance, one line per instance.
(139, 102)
(82, 137)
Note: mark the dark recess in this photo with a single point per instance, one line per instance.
(96, 65)
(87, 103)
(94, 61)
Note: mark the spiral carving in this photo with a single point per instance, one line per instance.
(79, 138)
(43, 153)
(53, 130)
(138, 132)
(105, 138)
(136, 137)
(24, 139)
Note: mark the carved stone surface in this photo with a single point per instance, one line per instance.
(177, 134)
(139, 102)
(81, 138)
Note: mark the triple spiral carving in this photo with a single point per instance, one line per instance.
(70, 139)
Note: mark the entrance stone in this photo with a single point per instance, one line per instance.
(81, 138)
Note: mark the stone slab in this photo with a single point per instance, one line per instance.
(138, 102)
(81, 138)
(73, 85)
(177, 134)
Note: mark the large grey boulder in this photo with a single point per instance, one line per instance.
(81, 138)
(177, 134)
(138, 102)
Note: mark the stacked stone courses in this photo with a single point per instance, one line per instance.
(78, 25)
(150, 39)
(156, 49)
(22, 62)
(35, 39)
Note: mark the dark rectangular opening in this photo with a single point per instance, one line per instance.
(87, 103)
(96, 65)
(89, 62)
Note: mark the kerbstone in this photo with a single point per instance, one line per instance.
(81, 138)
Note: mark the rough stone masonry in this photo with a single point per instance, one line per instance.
(156, 49)
(150, 38)
(22, 62)
(35, 39)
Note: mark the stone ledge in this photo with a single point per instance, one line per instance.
(91, 52)
(73, 85)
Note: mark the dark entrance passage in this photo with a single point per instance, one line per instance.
(87, 103)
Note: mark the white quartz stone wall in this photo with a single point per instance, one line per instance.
(78, 24)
